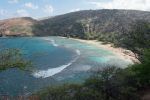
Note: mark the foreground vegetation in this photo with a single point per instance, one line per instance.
(109, 83)
(12, 58)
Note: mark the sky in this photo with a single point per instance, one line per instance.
(46, 8)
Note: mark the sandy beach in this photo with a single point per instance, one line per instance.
(121, 52)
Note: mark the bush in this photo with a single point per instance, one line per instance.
(10, 58)
(114, 84)
(143, 70)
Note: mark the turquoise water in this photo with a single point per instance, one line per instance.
(57, 60)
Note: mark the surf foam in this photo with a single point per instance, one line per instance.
(52, 41)
(50, 72)
(78, 52)
(54, 71)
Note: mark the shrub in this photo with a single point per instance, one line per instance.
(10, 58)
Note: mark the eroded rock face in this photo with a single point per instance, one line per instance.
(132, 55)
(128, 52)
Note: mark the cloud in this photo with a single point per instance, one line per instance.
(21, 13)
(48, 9)
(123, 4)
(13, 1)
(18, 13)
(74, 10)
(31, 5)
(3, 12)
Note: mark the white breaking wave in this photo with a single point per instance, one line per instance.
(78, 52)
(47, 39)
(53, 71)
(50, 72)
(52, 41)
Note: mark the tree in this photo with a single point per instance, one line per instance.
(113, 84)
(138, 38)
(143, 70)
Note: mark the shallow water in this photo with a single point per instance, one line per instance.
(57, 60)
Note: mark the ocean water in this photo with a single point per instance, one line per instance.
(57, 60)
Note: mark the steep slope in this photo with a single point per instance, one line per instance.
(91, 24)
(17, 26)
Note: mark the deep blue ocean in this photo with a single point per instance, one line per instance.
(56, 61)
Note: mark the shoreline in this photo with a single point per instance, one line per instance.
(118, 51)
